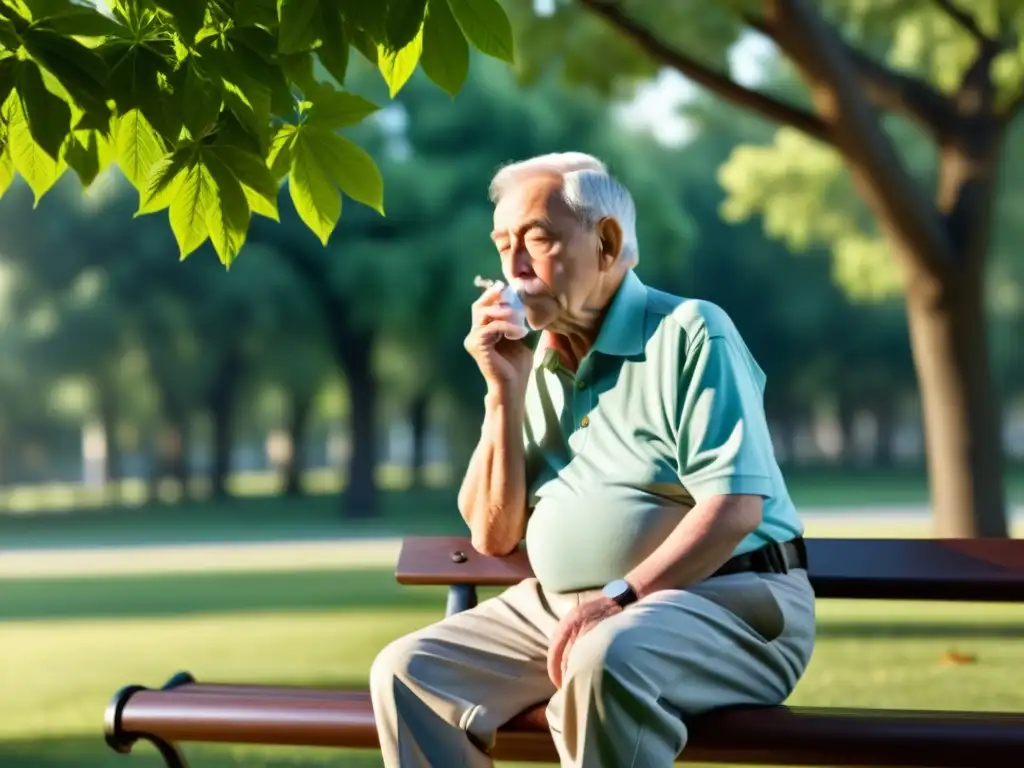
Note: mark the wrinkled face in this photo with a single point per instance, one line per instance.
(547, 249)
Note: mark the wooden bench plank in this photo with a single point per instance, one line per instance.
(976, 570)
(777, 735)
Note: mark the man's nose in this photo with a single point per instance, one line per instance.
(522, 264)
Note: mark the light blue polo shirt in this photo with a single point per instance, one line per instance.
(665, 410)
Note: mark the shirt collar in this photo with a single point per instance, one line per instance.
(622, 332)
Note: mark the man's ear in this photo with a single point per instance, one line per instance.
(609, 235)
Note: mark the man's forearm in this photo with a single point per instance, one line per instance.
(699, 545)
(493, 495)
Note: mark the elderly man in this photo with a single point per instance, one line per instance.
(632, 454)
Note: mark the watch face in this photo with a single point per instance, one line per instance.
(617, 589)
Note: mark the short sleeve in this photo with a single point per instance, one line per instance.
(723, 444)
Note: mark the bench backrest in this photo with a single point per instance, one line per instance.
(975, 570)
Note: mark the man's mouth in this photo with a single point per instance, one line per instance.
(528, 287)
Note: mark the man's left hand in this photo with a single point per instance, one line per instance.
(576, 624)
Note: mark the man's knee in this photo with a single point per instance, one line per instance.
(393, 661)
(600, 653)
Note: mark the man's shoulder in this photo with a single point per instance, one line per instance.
(688, 317)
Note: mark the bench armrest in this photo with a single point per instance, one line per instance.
(447, 560)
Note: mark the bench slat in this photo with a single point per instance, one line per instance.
(977, 570)
(778, 735)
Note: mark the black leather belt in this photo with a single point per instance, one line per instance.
(771, 558)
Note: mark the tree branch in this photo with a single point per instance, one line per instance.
(888, 89)
(904, 212)
(967, 21)
(724, 86)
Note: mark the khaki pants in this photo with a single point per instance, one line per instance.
(441, 693)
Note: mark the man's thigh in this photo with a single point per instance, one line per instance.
(479, 668)
(733, 640)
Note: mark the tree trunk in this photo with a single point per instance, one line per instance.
(884, 412)
(113, 469)
(178, 439)
(960, 407)
(221, 403)
(418, 412)
(847, 416)
(302, 404)
(353, 350)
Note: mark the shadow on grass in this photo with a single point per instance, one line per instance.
(179, 594)
(87, 752)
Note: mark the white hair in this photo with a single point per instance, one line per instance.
(587, 188)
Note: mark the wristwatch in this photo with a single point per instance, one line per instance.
(620, 591)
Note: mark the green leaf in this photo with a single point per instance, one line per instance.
(403, 21)
(227, 220)
(138, 80)
(165, 178)
(255, 177)
(250, 103)
(7, 78)
(445, 56)
(398, 66)
(334, 109)
(8, 36)
(81, 22)
(201, 99)
(231, 131)
(81, 72)
(188, 209)
(299, 30)
(139, 147)
(83, 156)
(280, 157)
(298, 67)
(187, 15)
(38, 168)
(333, 52)
(249, 13)
(349, 165)
(486, 26)
(256, 52)
(6, 168)
(48, 115)
(312, 189)
(362, 43)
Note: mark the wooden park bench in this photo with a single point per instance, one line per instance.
(981, 570)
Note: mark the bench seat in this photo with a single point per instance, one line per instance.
(185, 711)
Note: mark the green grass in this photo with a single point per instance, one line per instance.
(69, 644)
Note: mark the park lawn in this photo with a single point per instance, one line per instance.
(70, 643)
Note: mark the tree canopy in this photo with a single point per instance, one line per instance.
(206, 105)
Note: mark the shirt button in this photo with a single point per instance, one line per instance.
(585, 421)
(581, 384)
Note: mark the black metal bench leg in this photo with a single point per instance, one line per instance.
(461, 597)
(122, 742)
(172, 755)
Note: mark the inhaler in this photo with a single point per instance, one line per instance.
(509, 297)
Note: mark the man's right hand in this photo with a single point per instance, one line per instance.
(504, 363)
